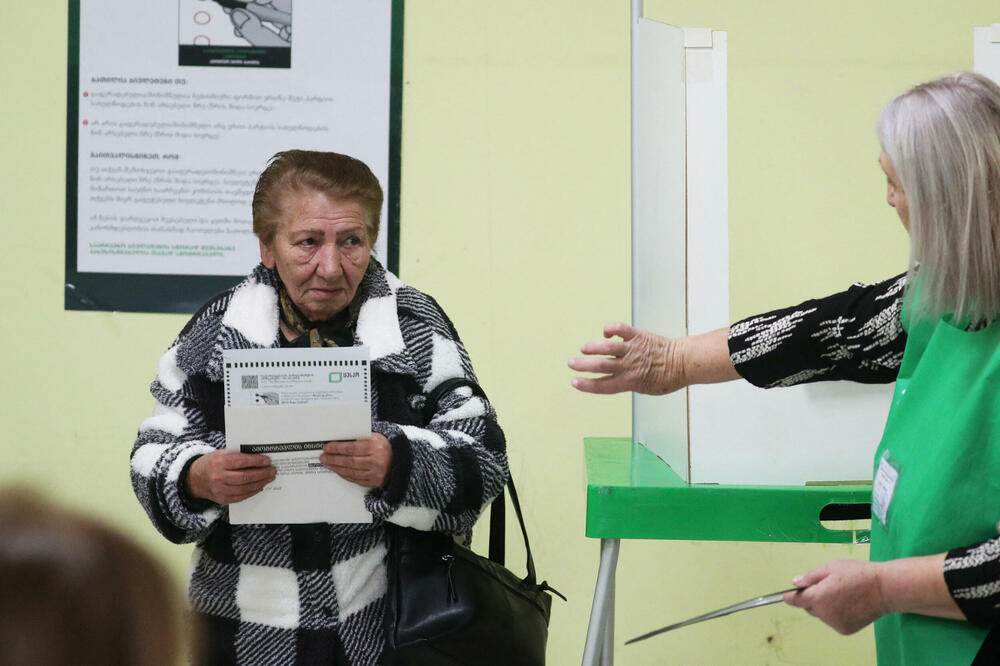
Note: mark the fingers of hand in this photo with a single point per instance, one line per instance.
(811, 577)
(794, 598)
(354, 447)
(601, 385)
(596, 364)
(843, 594)
(244, 461)
(246, 477)
(364, 461)
(346, 462)
(240, 493)
(232, 477)
(605, 357)
(622, 330)
(615, 348)
(355, 470)
(808, 591)
(230, 486)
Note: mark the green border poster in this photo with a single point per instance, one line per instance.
(174, 108)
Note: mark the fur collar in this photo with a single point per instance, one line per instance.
(252, 314)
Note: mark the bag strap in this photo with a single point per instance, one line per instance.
(498, 507)
(498, 529)
(530, 564)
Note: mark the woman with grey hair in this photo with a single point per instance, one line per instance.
(932, 586)
(314, 593)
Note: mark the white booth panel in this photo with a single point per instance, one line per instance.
(733, 432)
(986, 51)
(658, 221)
(825, 431)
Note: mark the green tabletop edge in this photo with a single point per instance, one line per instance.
(633, 494)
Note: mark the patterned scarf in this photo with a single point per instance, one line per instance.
(337, 331)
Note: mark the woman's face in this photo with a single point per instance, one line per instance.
(321, 251)
(895, 196)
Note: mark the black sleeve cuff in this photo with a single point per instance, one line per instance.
(394, 489)
(195, 504)
(971, 574)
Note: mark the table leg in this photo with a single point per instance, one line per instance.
(608, 652)
(599, 649)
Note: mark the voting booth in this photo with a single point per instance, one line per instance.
(731, 432)
(724, 461)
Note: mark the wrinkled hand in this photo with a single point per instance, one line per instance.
(846, 594)
(641, 361)
(226, 477)
(365, 462)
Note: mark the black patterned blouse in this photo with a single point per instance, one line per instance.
(857, 335)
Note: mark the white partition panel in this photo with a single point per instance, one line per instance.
(786, 436)
(658, 221)
(732, 432)
(986, 51)
(707, 177)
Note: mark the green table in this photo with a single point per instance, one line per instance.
(633, 494)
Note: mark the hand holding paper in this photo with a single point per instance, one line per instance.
(226, 477)
(290, 404)
(365, 462)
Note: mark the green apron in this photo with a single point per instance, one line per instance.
(940, 456)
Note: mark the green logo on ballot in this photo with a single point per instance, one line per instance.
(336, 377)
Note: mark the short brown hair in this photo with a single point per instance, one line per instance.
(75, 591)
(339, 176)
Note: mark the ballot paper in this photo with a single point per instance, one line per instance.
(287, 403)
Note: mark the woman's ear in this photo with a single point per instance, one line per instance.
(266, 256)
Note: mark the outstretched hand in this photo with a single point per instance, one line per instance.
(640, 361)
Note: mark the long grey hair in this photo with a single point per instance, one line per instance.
(943, 139)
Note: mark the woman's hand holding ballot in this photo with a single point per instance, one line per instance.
(362, 461)
(225, 477)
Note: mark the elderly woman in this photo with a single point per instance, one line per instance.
(933, 585)
(313, 594)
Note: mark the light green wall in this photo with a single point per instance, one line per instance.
(515, 217)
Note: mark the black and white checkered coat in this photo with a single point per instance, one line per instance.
(313, 594)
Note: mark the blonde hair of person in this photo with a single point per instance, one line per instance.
(943, 139)
(75, 591)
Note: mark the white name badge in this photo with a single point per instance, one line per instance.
(884, 487)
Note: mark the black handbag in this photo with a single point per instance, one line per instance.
(445, 605)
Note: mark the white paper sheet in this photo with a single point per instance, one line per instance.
(286, 403)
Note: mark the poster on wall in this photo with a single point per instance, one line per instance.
(174, 109)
